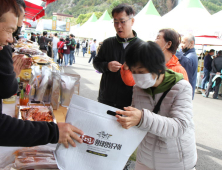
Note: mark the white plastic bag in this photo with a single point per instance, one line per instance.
(106, 145)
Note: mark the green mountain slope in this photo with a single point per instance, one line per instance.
(77, 7)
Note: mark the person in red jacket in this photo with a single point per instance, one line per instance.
(168, 40)
(60, 46)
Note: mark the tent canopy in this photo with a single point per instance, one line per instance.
(149, 9)
(217, 15)
(187, 17)
(33, 11)
(103, 28)
(86, 29)
(208, 40)
(147, 22)
(92, 18)
(27, 23)
(48, 1)
(105, 17)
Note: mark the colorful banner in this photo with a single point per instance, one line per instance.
(54, 19)
(67, 24)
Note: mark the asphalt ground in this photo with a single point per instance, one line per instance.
(207, 115)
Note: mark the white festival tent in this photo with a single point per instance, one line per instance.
(188, 17)
(218, 15)
(104, 28)
(75, 29)
(147, 22)
(86, 31)
(217, 24)
(214, 28)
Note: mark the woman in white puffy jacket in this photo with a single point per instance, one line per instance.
(162, 106)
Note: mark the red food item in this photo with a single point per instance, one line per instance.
(87, 139)
(36, 114)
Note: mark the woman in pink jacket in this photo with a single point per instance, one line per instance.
(161, 106)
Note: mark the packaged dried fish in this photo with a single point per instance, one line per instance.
(34, 81)
(48, 92)
(55, 96)
(68, 82)
(41, 89)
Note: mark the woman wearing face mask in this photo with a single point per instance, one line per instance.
(168, 40)
(163, 108)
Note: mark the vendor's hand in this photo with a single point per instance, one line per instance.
(67, 133)
(114, 66)
(125, 66)
(133, 117)
(218, 73)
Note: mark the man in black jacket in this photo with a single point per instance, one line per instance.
(111, 56)
(216, 70)
(15, 132)
(43, 42)
(38, 38)
(33, 37)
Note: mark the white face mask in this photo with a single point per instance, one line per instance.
(163, 49)
(144, 81)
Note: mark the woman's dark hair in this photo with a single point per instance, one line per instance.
(123, 7)
(174, 37)
(67, 39)
(149, 55)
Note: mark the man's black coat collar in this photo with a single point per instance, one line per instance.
(122, 40)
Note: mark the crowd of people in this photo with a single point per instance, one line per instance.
(151, 82)
(212, 69)
(63, 48)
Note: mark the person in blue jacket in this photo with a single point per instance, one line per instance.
(189, 59)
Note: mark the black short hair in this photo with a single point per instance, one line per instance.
(6, 6)
(21, 4)
(56, 34)
(94, 40)
(212, 50)
(67, 39)
(72, 35)
(44, 33)
(174, 37)
(123, 7)
(149, 55)
(61, 39)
